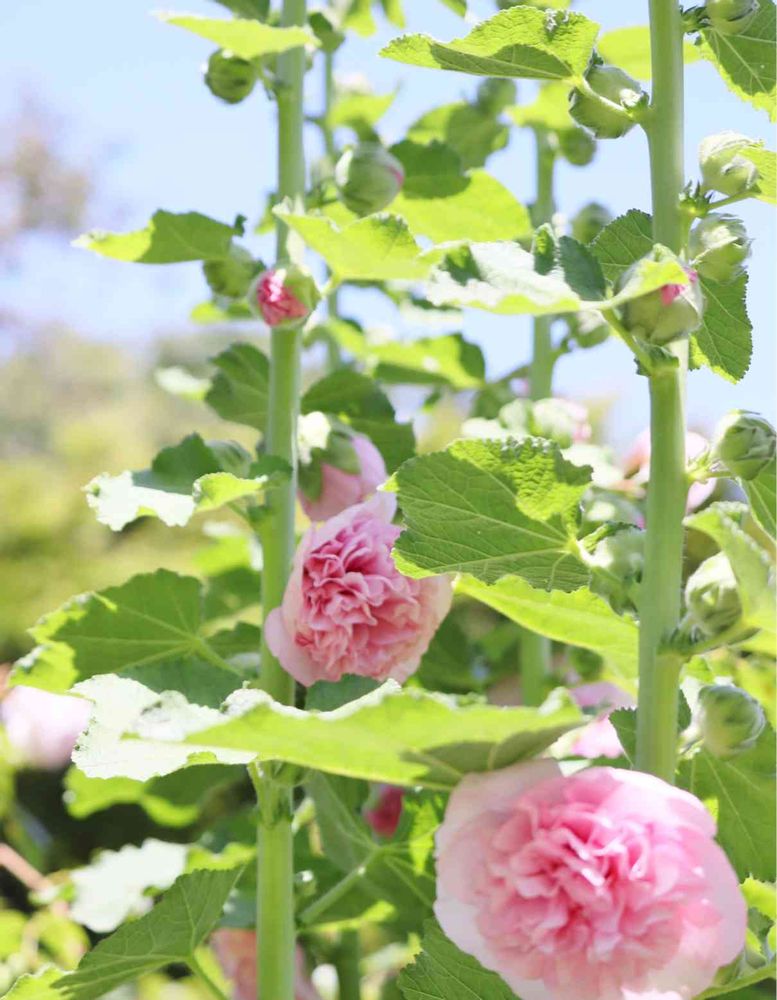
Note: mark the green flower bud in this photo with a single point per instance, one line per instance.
(722, 167)
(495, 94)
(666, 313)
(368, 178)
(744, 443)
(229, 77)
(712, 596)
(719, 246)
(576, 146)
(621, 554)
(231, 276)
(588, 328)
(608, 118)
(730, 17)
(590, 221)
(729, 720)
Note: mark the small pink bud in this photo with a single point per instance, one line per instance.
(384, 816)
(670, 292)
(285, 295)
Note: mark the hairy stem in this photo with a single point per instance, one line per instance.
(275, 865)
(660, 603)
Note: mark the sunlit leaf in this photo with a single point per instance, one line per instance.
(167, 239)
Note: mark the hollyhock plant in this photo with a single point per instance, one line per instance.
(637, 465)
(42, 727)
(341, 489)
(606, 885)
(599, 738)
(347, 609)
(384, 814)
(235, 950)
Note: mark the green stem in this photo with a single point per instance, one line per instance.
(347, 965)
(660, 603)
(275, 863)
(198, 971)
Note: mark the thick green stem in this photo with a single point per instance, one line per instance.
(347, 965)
(660, 599)
(275, 864)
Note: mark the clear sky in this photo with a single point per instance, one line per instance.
(129, 92)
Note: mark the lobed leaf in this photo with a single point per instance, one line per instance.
(247, 38)
(464, 127)
(240, 390)
(169, 238)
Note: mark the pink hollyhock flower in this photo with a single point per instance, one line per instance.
(606, 885)
(340, 489)
(600, 738)
(384, 816)
(637, 464)
(43, 727)
(235, 949)
(347, 609)
(280, 298)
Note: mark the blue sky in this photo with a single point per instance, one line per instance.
(129, 92)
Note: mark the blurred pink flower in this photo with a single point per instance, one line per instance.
(341, 489)
(276, 301)
(606, 885)
(384, 816)
(599, 738)
(43, 727)
(347, 609)
(235, 949)
(637, 465)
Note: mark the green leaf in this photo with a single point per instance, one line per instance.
(737, 990)
(465, 128)
(246, 38)
(493, 508)
(169, 933)
(115, 884)
(240, 390)
(167, 239)
(376, 248)
(747, 61)
(762, 495)
(360, 112)
(580, 618)
(740, 792)
(438, 200)
(36, 986)
(629, 48)
(549, 109)
(766, 161)
(518, 42)
(443, 972)
(625, 240)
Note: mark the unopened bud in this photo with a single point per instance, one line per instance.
(729, 720)
(730, 17)
(666, 313)
(494, 95)
(588, 328)
(719, 246)
(621, 554)
(368, 178)
(744, 443)
(723, 168)
(229, 77)
(231, 276)
(590, 221)
(712, 596)
(576, 146)
(284, 295)
(606, 112)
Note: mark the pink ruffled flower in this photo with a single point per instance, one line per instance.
(600, 738)
(607, 885)
(340, 489)
(347, 609)
(277, 302)
(384, 816)
(637, 464)
(235, 950)
(43, 727)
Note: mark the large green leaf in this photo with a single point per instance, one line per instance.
(762, 494)
(493, 508)
(240, 390)
(441, 202)
(167, 239)
(441, 971)
(629, 48)
(464, 127)
(746, 61)
(247, 38)
(580, 618)
(740, 792)
(518, 42)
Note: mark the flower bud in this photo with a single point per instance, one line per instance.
(229, 77)
(368, 178)
(561, 421)
(621, 554)
(712, 596)
(718, 246)
(231, 276)
(385, 809)
(590, 221)
(666, 313)
(730, 17)
(729, 720)
(609, 117)
(745, 443)
(723, 169)
(588, 328)
(576, 146)
(284, 295)
(495, 94)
